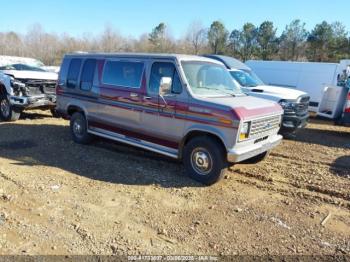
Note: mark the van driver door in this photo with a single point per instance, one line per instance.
(159, 117)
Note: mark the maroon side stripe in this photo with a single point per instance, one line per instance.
(136, 135)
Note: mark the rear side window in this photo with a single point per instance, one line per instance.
(87, 75)
(73, 73)
(123, 74)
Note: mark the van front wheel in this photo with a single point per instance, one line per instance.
(78, 128)
(204, 160)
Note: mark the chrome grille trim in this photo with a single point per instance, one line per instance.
(302, 107)
(264, 125)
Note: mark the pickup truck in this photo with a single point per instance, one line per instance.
(294, 102)
(24, 87)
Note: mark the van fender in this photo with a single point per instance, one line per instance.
(217, 132)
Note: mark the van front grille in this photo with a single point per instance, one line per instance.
(264, 125)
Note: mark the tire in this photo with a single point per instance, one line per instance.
(204, 160)
(257, 159)
(78, 128)
(7, 112)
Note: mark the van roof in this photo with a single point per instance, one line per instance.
(229, 62)
(180, 57)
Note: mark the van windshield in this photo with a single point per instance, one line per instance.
(247, 78)
(209, 79)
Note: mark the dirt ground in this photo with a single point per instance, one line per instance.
(57, 197)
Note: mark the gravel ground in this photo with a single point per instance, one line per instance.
(57, 197)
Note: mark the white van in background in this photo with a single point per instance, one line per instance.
(294, 102)
(309, 77)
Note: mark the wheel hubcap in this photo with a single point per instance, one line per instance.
(201, 161)
(77, 127)
(5, 107)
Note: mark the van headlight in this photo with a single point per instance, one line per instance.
(244, 131)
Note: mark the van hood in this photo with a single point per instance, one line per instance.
(247, 107)
(275, 93)
(31, 75)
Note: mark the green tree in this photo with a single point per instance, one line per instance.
(248, 39)
(266, 38)
(292, 40)
(158, 37)
(327, 42)
(217, 37)
(234, 43)
(319, 42)
(338, 46)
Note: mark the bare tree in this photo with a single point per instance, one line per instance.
(111, 41)
(197, 37)
(326, 42)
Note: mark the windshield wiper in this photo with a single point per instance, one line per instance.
(218, 89)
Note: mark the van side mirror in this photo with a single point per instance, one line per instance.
(165, 86)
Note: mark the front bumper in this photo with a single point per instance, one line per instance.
(239, 155)
(31, 102)
(290, 123)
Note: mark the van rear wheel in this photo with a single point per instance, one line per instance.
(78, 128)
(204, 160)
(7, 112)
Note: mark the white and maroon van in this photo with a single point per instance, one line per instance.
(184, 107)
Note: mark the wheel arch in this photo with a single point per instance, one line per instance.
(73, 108)
(200, 133)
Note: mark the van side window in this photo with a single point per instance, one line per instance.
(64, 72)
(87, 75)
(73, 73)
(162, 69)
(123, 74)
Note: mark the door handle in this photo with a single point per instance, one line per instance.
(133, 95)
(147, 97)
(170, 95)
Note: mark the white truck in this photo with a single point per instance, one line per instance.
(294, 102)
(309, 77)
(23, 86)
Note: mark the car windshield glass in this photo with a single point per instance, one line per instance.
(246, 78)
(209, 79)
(21, 67)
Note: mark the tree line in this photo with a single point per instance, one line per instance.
(326, 42)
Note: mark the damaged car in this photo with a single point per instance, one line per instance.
(24, 87)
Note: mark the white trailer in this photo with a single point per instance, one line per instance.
(309, 77)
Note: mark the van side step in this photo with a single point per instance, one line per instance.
(166, 151)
